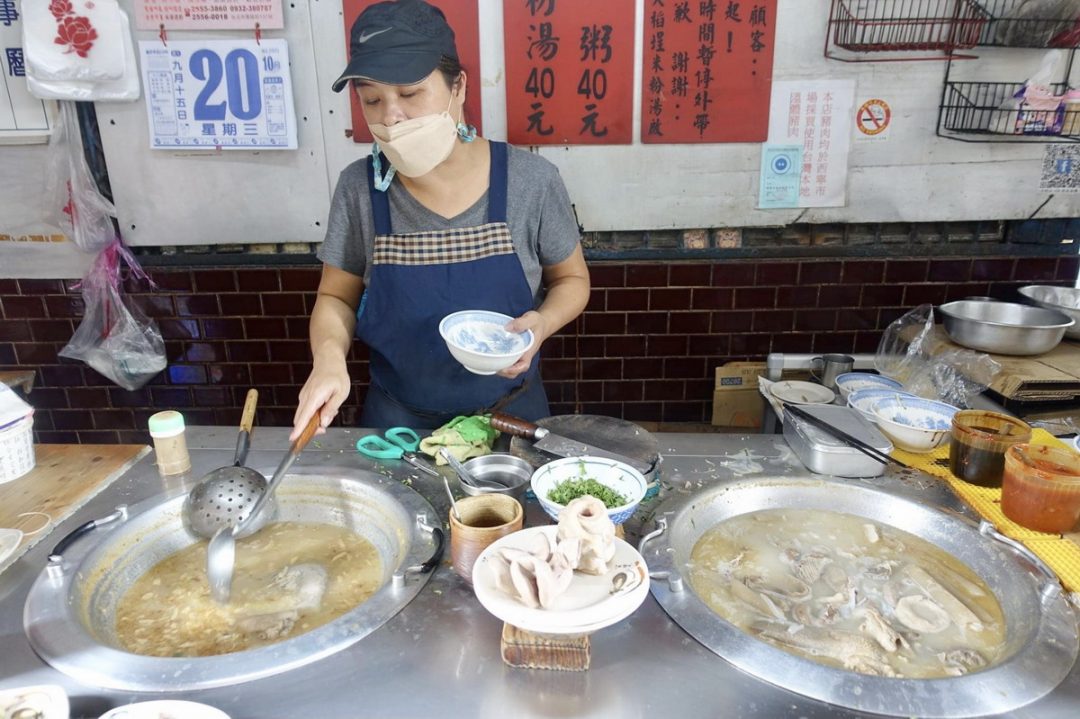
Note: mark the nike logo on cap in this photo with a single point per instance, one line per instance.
(364, 37)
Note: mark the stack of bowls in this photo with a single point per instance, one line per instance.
(863, 400)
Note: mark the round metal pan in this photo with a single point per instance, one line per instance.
(1006, 328)
(70, 612)
(1041, 632)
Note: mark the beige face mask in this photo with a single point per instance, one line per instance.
(416, 147)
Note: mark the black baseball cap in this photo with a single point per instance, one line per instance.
(398, 43)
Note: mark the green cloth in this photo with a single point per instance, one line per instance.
(465, 437)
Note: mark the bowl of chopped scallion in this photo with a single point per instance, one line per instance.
(619, 486)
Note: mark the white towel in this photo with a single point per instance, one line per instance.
(124, 89)
(79, 40)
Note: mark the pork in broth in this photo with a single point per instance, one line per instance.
(848, 592)
(289, 578)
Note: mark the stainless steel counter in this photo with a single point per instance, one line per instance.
(440, 655)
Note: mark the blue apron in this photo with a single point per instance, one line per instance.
(417, 279)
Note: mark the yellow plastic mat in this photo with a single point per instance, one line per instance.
(1062, 554)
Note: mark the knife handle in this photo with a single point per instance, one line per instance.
(514, 425)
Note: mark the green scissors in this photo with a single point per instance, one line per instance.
(396, 443)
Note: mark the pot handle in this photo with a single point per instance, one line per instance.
(1051, 587)
(675, 582)
(440, 546)
(57, 555)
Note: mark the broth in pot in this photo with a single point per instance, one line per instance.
(289, 579)
(848, 592)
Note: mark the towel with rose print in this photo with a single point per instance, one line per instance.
(80, 40)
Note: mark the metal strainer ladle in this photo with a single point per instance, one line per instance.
(225, 496)
(221, 551)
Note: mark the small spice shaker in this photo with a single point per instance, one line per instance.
(170, 444)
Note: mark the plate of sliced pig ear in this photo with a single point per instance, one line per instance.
(529, 579)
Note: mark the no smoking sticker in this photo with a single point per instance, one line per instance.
(873, 119)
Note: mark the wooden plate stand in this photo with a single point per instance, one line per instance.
(528, 650)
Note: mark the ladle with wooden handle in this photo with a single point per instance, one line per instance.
(221, 552)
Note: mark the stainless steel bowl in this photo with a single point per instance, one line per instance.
(1062, 299)
(506, 469)
(1006, 328)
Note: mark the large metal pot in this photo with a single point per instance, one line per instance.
(1041, 632)
(70, 612)
(1006, 328)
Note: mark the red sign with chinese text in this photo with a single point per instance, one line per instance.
(707, 70)
(566, 67)
(464, 18)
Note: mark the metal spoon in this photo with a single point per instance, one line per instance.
(453, 503)
(463, 473)
(221, 552)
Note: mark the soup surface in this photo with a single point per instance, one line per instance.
(289, 579)
(848, 592)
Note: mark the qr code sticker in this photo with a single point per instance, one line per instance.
(1061, 168)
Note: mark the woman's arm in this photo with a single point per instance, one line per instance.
(567, 285)
(333, 321)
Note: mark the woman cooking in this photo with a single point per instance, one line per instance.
(436, 220)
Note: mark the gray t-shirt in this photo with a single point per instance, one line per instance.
(538, 212)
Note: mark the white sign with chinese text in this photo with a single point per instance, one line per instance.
(208, 14)
(24, 119)
(227, 94)
(817, 115)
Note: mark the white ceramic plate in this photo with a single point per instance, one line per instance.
(10, 539)
(165, 709)
(1076, 442)
(45, 701)
(796, 392)
(589, 604)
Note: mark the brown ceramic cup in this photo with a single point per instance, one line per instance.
(484, 519)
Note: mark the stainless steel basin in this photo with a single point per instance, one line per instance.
(1006, 328)
(1041, 631)
(70, 612)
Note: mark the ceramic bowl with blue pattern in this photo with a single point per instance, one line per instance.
(479, 341)
(611, 473)
(863, 400)
(913, 423)
(853, 381)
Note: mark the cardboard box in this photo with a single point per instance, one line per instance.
(736, 400)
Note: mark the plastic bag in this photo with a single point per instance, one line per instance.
(1035, 23)
(79, 209)
(115, 337)
(952, 376)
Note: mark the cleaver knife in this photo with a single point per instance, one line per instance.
(558, 445)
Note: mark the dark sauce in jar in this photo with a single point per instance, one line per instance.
(976, 465)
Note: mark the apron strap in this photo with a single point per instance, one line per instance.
(497, 180)
(380, 201)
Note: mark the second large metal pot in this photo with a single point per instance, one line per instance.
(1041, 633)
(1006, 328)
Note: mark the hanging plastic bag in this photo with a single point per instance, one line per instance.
(77, 207)
(115, 337)
(952, 376)
(1034, 23)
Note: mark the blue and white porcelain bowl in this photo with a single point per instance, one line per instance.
(915, 424)
(479, 341)
(863, 400)
(616, 475)
(853, 381)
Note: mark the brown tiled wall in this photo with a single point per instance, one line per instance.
(644, 350)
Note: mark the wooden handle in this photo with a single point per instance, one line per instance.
(307, 434)
(513, 425)
(247, 419)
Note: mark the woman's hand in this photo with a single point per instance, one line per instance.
(531, 320)
(327, 387)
